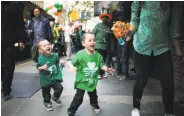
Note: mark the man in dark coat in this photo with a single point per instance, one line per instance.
(13, 34)
(40, 27)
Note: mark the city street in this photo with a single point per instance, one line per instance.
(115, 98)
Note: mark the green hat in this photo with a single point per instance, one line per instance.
(105, 11)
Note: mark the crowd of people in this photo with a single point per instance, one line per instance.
(154, 25)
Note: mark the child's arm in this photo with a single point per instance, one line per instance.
(71, 67)
(109, 70)
(44, 67)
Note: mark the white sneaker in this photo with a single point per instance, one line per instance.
(135, 112)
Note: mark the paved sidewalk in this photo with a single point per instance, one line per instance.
(115, 99)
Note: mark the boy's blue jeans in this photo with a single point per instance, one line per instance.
(164, 66)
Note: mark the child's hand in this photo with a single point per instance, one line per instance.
(62, 63)
(72, 69)
(44, 67)
(110, 70)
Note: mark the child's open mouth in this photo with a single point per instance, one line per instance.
(92, 46)
(48, 49)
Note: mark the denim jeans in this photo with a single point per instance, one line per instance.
(123, 57)
(164, 66)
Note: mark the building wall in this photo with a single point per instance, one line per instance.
(38, 3)
(178, 69)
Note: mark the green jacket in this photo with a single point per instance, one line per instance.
(155, 25)
(102, 35)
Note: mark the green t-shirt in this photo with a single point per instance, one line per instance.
(53, 72)
(87, 70)
(102, 36)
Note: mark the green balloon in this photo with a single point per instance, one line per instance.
(59, 9)
(56, 5)
(46, 9)
(61, 6)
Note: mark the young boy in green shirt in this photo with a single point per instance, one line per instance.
(87, 63)
(50, 74)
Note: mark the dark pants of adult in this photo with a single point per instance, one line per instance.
(111, 53)
(123, 55)
(78, 99)
(7, 68)
(164, 66)
(104, 55)
(131, 52)
(58, 88)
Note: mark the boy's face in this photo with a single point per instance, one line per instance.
(105, 19)
(45, 47)
(89, 42)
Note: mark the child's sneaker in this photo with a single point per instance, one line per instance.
(48, 106)
(96, 108)
(70, 113)
(135, 112)
(58, 101)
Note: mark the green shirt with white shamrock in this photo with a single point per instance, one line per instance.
(53, 72)
(88, 67)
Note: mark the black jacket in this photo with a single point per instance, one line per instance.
(12, 23)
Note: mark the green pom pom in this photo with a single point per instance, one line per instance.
(46, 9)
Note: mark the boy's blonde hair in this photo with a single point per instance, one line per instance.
(39, 43)
(84, 35)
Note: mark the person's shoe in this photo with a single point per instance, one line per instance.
(96, 108)
(48, 106)
(135, 112)
(58, 101)
(70, 113)
(118, 76)
(105, 75)
(170, 115)
(123, 77)
(5, 97)
(100, 77)
(133, 70)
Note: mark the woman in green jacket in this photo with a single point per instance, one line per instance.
(156, 24)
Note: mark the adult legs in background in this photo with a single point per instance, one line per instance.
(141, 64)
(104, 55)
(68, 50)
(8, 56)
(164, 64)
(124, 61)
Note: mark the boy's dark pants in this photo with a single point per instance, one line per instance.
(58, 88)
(164, 66)
(78, 99)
